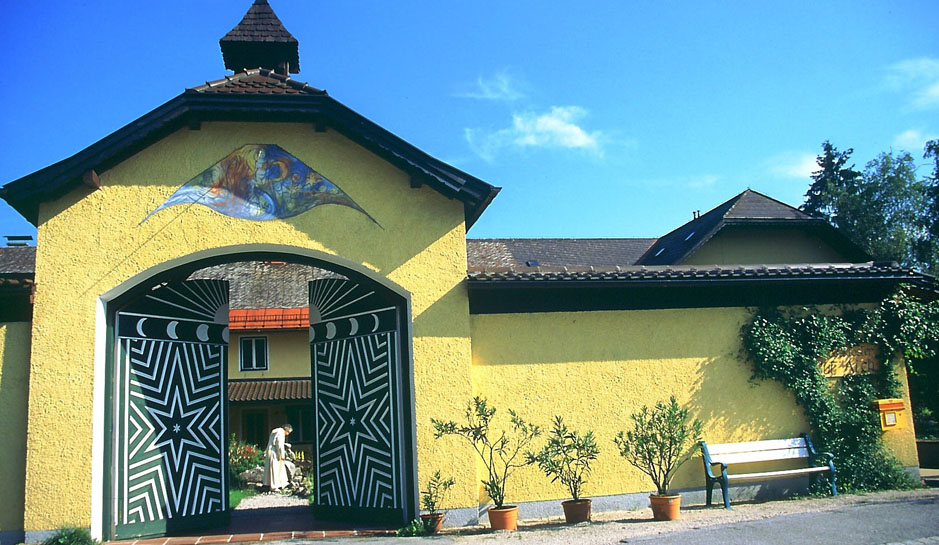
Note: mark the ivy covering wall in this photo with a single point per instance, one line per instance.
(788, 345)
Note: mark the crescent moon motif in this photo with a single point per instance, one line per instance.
(354, 327)
(225, 334)
(171, 330)
(375, 317)
(140, 327)
(330, 330)
(312, 334)
(202, 332)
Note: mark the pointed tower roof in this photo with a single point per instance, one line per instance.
(260, 41)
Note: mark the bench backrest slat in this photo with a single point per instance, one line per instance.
(753, 446)
(759, 451)
(761, 456)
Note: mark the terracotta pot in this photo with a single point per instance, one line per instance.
(432, 521)
(504, 518)
(576, 510)
(665, 507)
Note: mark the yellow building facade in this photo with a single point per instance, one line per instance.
(588, 340)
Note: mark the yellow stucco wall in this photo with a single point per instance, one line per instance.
(90, 241)
(14, 393)
(764, 245)
(288, 355)
(597, 368)
(902, 442)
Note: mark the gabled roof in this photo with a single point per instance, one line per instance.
(553, 253)
(256, 95)
(749, 208)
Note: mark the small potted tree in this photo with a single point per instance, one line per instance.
(500, 456)
(658, 444)
(566, 457)
(431, 500)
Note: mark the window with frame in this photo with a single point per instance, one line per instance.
(253, 354)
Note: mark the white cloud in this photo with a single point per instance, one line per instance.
(500, 86)
(792, 164)
(704, 180)
(912, 140)
(918, 77)
(557, 128)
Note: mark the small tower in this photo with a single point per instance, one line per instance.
(260, 41)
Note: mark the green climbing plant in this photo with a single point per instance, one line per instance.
(788, 345)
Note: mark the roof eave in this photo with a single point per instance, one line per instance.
(26, 193)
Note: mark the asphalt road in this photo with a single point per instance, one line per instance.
(893, 522)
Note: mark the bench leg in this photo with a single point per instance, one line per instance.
(724, 492)
(710, 491)
(834, 487)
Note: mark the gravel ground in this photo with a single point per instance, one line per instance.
(623, 526)
(268, 500)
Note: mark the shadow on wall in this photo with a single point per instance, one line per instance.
(734, 407)
(14, 387)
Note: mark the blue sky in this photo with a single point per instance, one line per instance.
(599, 119)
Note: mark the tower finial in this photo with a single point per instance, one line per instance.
(260, 40)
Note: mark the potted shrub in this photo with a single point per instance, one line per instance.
(500, 456)
(658, 444)
(566, 457)
(431, 499)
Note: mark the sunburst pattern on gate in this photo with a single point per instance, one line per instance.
(170, 430)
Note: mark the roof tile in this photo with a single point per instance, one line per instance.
(270, 389)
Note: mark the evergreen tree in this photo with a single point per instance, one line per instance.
(832, 180)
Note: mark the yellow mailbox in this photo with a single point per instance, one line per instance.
(891, 413)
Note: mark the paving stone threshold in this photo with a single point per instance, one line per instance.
(253, 538)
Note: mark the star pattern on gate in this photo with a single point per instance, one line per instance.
(174, 430)
(170, 431)
(356, 431)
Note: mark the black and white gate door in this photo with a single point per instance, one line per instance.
(354, 344)
(169, 415)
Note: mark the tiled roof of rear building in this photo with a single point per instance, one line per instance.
(17, 260)
(257, 81)
(753, 205)
(553, 253)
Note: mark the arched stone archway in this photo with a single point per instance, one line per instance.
(165, 429)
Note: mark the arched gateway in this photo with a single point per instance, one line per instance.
(167, 420)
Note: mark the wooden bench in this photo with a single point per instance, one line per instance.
(727, 454)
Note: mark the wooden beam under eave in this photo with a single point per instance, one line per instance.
(91, 179)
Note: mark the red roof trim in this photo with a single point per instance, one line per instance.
(268, 318)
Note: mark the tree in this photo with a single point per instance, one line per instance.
(886, 210)
(830, 182)
(932, 197)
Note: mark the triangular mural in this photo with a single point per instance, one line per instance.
(260, 182)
